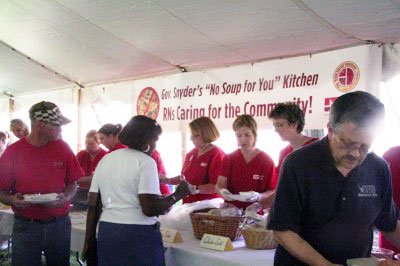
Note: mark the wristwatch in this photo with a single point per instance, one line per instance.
(174, 197)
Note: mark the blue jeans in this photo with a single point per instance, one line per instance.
(129, 244)
(30, 239)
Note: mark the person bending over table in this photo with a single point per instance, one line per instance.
(88, 160)
(201, 165)
(247, 169)
(288, 121)
(333, 192)
(128, 182)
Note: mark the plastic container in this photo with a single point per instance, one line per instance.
(382, 253)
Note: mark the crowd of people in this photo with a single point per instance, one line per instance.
(326, 196)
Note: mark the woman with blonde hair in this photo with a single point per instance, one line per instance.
(201, 165)
(247, 169)
(90, 157)
(19, 128)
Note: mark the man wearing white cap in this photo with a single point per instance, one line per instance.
(41, 163)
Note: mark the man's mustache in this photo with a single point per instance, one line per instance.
(352, 158)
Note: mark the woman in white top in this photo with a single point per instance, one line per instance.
(130, 195)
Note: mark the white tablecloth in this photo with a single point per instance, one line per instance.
(189, 252)
(185, 253)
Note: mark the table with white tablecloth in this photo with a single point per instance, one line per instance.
(185, 253)
(189, 252)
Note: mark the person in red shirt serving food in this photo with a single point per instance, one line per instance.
(201, 165)
(288, 121)
(247, 169)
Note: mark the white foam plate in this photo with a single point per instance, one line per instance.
(41, 198)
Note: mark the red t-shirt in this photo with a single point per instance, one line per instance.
(117, 147)
(392, 157)
(87, 165)
(282, 155)
(160, 167)
(28, 169)
(201, 170)
(255, 175)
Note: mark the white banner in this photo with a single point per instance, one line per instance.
(312, 82)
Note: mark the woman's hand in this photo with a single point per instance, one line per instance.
(226, 194)
(176, 180)
(183, 189)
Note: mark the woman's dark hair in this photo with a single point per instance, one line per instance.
(139, 131)
(291, 112)
(110, 129)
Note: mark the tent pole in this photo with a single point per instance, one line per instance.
(10, 115)
(184, 145)
(79, 144)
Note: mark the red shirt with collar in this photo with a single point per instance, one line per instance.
(117, 147)
(392, 157)
(282, 155)
(87, 164)
(29, 169)
(160, 167)
(201, 170)
(255, 175)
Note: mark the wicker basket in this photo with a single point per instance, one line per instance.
(226, 226)
(259, 239)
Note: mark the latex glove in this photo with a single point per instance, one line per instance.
(193, 189)
(226, 194)
(252, 196)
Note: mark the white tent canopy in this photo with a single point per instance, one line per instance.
(94, 42)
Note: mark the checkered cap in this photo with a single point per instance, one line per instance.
(48, 112)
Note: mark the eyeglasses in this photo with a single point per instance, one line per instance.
(351, 146)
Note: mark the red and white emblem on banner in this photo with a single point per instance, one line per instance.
(148, 103)
(346, 76)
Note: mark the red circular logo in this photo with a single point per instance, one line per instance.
(346, 76)
(148, 103)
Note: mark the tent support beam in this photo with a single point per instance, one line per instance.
(46, 68)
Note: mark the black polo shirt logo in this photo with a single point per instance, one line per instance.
(367, 191)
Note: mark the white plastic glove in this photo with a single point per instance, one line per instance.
(193, 189)
(251, 196)
(226, 194)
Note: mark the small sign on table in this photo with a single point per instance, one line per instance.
(214, 242)
(170, 235)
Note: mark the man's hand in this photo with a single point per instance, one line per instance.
(17, 200)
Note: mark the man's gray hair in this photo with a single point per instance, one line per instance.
(360, 108)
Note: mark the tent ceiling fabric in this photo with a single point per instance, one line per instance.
(91, 42)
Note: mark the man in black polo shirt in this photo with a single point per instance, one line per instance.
(333, 192)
